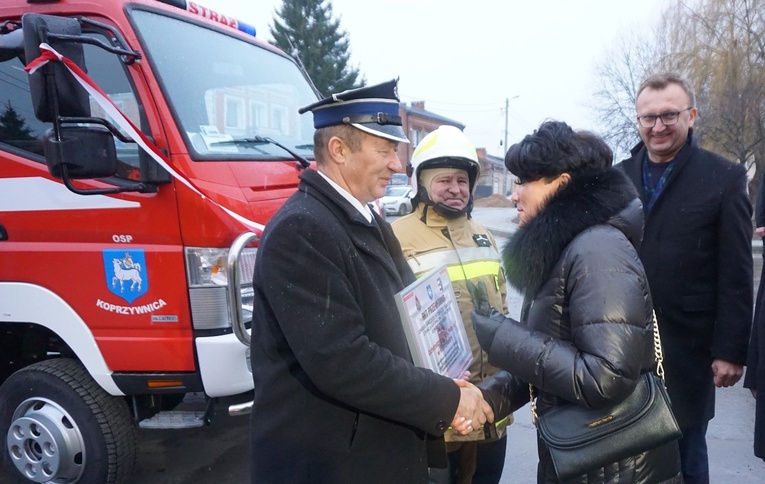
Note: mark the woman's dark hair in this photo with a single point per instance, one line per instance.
(555, 148)
(596, 148)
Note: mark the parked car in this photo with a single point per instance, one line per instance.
(397, 200)
(399, 179)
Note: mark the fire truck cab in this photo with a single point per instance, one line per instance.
(125, 280)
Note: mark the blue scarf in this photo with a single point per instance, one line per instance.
(651, 189)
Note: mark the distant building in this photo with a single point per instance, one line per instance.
(417, 123)
(494, 176)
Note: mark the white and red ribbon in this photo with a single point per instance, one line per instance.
(48, 54)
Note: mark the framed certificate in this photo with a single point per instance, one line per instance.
(433, 325)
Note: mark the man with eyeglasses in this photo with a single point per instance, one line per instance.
(697, 254)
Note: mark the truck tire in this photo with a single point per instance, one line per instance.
(59, 425)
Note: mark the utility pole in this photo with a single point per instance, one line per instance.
(504, 148)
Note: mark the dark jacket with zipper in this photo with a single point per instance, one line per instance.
(337, 398)
(586, 331)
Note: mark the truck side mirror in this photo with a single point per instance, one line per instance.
(53, 79)
(12, 45)
(81, 152)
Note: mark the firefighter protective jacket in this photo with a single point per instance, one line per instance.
(469, 252)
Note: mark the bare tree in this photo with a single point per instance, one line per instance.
(729, 68)
(619, 76)
(719, 46)
(731, 82)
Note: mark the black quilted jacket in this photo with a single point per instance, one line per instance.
(585, 333)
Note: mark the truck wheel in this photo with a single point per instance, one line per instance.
(60, 426)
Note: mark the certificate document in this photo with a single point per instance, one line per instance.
(433, 325)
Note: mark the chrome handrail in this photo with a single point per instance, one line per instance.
(235, 287)
(239, 409)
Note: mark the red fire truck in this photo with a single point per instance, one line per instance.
(135, 166)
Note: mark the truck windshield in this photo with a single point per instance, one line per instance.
(222, 89)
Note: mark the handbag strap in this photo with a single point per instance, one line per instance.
(658, 355)
(657, 348)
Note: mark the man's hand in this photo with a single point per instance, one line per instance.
(486, 327)
(760, 231)
(726, 373)
(473, 411)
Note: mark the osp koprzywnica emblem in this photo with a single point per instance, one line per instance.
(126, 274)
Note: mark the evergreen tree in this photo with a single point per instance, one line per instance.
(306, 30)
(13, 126)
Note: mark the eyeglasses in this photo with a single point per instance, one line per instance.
(667, 119)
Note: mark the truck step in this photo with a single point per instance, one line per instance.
(174, 419)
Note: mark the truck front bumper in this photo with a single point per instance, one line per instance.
(223, 365)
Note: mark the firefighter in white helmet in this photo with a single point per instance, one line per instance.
(444, 170)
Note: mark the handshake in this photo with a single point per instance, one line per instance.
(478, 407)
(492, 402)
(473, 411)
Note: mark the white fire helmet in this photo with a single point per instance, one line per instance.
(446, 147)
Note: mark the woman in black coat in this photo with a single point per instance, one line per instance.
(586, 331)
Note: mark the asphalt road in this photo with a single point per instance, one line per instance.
(207, 455)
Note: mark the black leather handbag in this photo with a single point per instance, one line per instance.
(582, 439)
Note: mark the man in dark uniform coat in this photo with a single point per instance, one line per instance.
(698, 257)
(337, 398)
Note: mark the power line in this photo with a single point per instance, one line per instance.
(19, 84)
(497, 105)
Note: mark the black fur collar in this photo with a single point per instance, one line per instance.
(587, 200)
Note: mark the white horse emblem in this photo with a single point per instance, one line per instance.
(121, 274)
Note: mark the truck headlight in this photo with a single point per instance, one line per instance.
(206, 276)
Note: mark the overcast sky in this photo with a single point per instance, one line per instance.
(465, 58)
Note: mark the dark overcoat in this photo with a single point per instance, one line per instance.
(697, 253)
(337, 398)
(755, 367)
(586, 332)
(755, 372)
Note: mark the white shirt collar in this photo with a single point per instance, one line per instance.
(363, 208)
